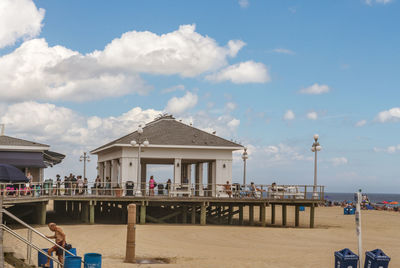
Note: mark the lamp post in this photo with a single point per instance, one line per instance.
(315, 148)
(139, 143)
(245, 156)
(85, 158)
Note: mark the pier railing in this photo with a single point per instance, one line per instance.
(235, 190)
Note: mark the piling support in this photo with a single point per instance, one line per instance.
(312, 212)
(284, 210)
(194, 214)
(131, 235)
(262, 215)
(251, 214)
(85, 212)
(272, 213)
(41, 213)
(240, 214)
(184, 214)
(203, 219)
(230, 216)
(143, 213)
(91, 211)
(297, 216)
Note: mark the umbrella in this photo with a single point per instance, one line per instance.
(393, 203)
(12, 174)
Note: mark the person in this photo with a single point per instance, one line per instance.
(60, 239)
(152, 185)
(97, 185)
(30, 178)
(74, 181)
(168, 186)
(252, 189)
(57, 191)
(228, 189)
(85, 186)
(108, 186)
(79, 182)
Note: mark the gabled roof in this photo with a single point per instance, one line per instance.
(166, 131)
(11, 141)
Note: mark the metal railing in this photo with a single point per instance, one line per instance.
(235, 190)
(28, 241)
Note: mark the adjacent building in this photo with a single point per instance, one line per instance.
(171, 143)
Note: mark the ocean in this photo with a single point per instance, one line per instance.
(373, 197)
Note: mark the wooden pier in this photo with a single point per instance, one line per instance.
(93, 209)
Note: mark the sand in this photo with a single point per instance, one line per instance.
(239, 246)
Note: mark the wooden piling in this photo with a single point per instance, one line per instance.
(284, 214)
(143, 213)
(272, 213)
(230, 216)
(240, 214)
(262, 215)
(203, 219)
(131, 235)
(297, 216)
(193, 214)
(251, 214)
(312, 211)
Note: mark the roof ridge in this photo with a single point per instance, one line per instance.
(19, 139)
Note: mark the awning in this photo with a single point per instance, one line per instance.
(52, 158)
(22, 159)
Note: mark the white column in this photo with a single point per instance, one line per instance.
(107, 169)
(100, 169)
(114, 172)
(199, 179)
(189, 173)
(177, 171)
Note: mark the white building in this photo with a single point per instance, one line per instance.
(170, 143)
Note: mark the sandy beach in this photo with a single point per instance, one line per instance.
(236, 246)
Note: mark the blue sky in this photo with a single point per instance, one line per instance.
(269, 74)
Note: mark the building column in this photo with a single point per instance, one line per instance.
(177, 172)
(114, 172)
(100, 170)
(107, 170)
(198, 179)
(143, 174)
(211, 179)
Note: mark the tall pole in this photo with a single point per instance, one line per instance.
(84, 165)
(1, 233)
(139, 169)
(358, 226)
(315, 176)
(244, 173)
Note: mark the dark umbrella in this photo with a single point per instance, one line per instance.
(11, 174)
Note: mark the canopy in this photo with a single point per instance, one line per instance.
(22, 159)
(11, 174)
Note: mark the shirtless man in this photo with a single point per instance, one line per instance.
(59, 236)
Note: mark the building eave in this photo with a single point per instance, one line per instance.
(231, 148)
(23, 148)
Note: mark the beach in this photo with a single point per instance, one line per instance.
(239, 246)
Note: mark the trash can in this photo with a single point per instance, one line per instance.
(36, 190)
(302, 208)
(345, 258)
(42, 259)
(376, 259)
(73, 262)
(92, 260)
(129, 188)
(47, 187)
(160, 189)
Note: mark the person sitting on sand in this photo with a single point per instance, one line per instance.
(228, 189)
(59, 236)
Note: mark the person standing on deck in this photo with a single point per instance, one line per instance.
(152, 185)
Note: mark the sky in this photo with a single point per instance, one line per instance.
(266, 74)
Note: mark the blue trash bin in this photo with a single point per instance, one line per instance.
(73, 262)
(352, 211)
(345, 258)
(302, 208)
(42, 259)
(376, 259)
(72, 250)
(92, 260)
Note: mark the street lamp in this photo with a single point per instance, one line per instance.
(245, 156)
(85, 158)
(315, 148)
(139, 143)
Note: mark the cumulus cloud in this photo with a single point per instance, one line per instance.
(289, 115)
(179, 105)
(230, 106)
(392, 115)
(337, 161)
(283, 51)
(173, 89)
(312, 115)
(19, 19)
(244, 72)
(234, 123)
(36, 71)
(315, 89)
(361, 123)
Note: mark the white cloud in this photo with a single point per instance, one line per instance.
(336, 161)
(179, 105)
(315, 89)
(244, 72)
(361, 123)
(35, 71)
(384, 2)
(244, 3)
(390, 149)
(312, 115)
(173, 89)
(289, 115)
(230, 106)
(283, 51)
(392, 115)
(234, 123)
(182, 52)
(19, 19)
